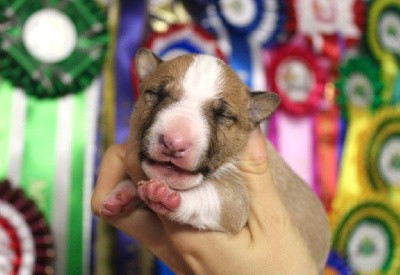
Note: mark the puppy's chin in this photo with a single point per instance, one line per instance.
(175, 177)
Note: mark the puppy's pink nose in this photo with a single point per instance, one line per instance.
(174, 145)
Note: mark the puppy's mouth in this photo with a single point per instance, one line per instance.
(174, 176)
(171, 166)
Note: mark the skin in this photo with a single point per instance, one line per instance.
(268, 244)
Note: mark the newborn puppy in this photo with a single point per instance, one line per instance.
(191, 123)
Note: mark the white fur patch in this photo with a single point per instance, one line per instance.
(200, 207)
(202, 79)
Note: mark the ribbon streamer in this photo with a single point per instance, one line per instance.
(48, 53)
(327, 154)
(130, 32)
(54, 165)
(299, 77)
(132, 15)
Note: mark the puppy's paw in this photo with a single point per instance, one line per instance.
(121, 200)
(158, 196)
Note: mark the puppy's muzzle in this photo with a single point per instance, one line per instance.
(174, 145)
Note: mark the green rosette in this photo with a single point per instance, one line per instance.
(51, 48)
(383, 29)
(379, 153)
(367, 234)
(359, 84)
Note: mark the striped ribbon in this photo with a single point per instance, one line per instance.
(49, 148)
(300, 78)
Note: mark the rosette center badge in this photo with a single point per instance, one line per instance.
(49, 35)
(53, 48)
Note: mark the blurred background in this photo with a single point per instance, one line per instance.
(68, 87)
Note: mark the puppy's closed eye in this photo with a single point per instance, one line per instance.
(155, 95)
(222, 114)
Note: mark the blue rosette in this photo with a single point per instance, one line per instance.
(245, 27)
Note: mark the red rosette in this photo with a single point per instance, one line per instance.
(298, 76)
(177, 40)
(26, 242)
(198, 34)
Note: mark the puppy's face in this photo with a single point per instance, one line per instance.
(193, 115)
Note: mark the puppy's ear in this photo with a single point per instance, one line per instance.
(262, 105)
(145, 62)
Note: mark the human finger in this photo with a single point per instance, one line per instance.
(266, 208)
(111, 172)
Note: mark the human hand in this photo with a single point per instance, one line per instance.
(268, 244)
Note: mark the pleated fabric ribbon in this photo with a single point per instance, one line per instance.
(365, 218)
(361, 97)
(49, 148)
(243, 28)
(366, 232)
(27, 243)
(382, 39)
(332, 26)
(51, 98)
(46, 51)
(301, 78)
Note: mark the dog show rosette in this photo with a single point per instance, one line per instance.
(48, 52)
(359, 85)
(182, 39)
(383, 29)
(332, 26)
(367, 234)
(298, 77)
(26, 241)
(243, 28)
(379, 153)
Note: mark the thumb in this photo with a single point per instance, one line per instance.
(254, 157)
(265, 204)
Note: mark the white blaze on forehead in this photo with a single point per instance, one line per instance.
(202, 80)
(200, 84)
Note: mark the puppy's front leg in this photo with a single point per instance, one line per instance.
(199, 206)
(158, 196)
(121, 200)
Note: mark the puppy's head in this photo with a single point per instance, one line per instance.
(193, 115)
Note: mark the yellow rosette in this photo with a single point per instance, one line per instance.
(379, 152)
(367, 233)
